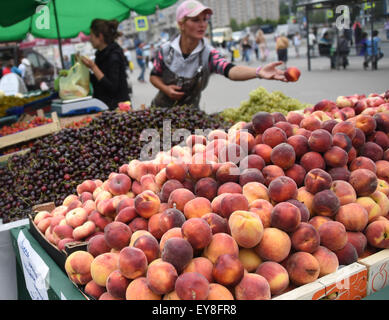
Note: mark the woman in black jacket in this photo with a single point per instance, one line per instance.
(109, 78)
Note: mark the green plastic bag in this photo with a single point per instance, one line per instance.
(76, 83)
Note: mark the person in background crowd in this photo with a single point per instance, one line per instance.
(184, 65)
(27, 73)
(297, 43)
(282, 45)
(231, 48)
(128, 55)
(140, 59)
(312, 43)
(108, 78)
(386, 27)
(357, 35)
(373, 51)
(261, 41)
(7, 68)
(15, 69)
(66, 62)
(343, 51)
(363, 50)
(246, 49)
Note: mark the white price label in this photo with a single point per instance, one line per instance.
(36, 272)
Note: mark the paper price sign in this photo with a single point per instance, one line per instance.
(36, 272)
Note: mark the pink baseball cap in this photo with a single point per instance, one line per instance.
(190, 8)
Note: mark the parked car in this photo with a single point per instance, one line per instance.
(42, 68)
(267, 28)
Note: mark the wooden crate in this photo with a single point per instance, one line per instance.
(377, 270)
(5, 157)
(32, 133)
(306, 292)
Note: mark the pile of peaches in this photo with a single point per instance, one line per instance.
(250, 213)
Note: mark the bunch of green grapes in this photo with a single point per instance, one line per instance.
(262, 100)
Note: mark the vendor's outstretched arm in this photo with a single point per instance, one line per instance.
(268, 72)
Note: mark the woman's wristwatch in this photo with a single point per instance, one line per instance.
(257, 72)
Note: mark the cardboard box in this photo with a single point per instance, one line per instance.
(59, 256)
(377, 270)
(306, 292)
(348, 283)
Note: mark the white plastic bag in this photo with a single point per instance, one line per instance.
(76, 83)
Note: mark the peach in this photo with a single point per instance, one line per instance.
(373, 209)
(380, 138)
(60, 232)
(97, 245)
(283, 155)
(278, 117)
(317, 221)
(382, 200)
(320, 140)
(229, 187)
(274, 136)
(333, 235)
(227, 172)
(192, 286)
(372, 151)
(147, 204)
(254, 191)
(246, 228)
(102, 266)
(232, 202)
(303, 132)
(117, 285)
(168, 187)
(346, 127)
(117, 235)
(312, 160)
(84, 231)
(171, 218)
(219, 292)
(299, 144)
(262, 150)
(377, 234)
(86, 186)
(216, 222)
(138, 223)
(294, 117)
(352, 154)
(271, 172)
(216, 202)
(297, 173)
(383, 170)
(382, 120)
(363, 181)
(366, 123)
(207, 188)
(61, 245)
(328, 261)
(242, 138)
(304, 212)
(302, 268)
(217, 134)
(138, 289)
(325, 203)
(359, 138)
(249, 259)
(178, 252)
(194, 139)
(250, 175)
(261, 121)
(200, 265)
(106, 207)
(383, 186)
(336, 157)
(342, 141)
(179, 197)
(198, 232)
(132, 262)
(148, 182)
(285, 216)
(60, 210)
(85, 196)
(347, 255)
(286, 127)
(161, 277)
(76, 217)
(252, 287)
(149, 245)
(353, 216)
(358, 240)
(94, 290)
(199, 167)
(310, 123)
(306, 198)
(340, 173)
(70, 198)
(275, 274)
(274, 246)
(282, 188)
(78, 267)
(197, 207)
(126, 215)
(171, 233)
(176, 171)
(213, 148)
(221, 243)
(305, 238)
(252, 161)
(263, 209)
(344, 191)
(228, 270)
(171, 296)
(119, 184)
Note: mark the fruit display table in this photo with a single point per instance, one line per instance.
(38, 276)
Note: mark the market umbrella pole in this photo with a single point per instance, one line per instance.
(58, 35)
(308, 46)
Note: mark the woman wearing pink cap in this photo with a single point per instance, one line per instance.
(182, 66)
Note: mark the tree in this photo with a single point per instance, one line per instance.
(234, 25)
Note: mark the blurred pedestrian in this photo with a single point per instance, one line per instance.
(357, 35)
(7, 68)
(261, 41)
(297, 43)
(386, 27)
(231, 47)
(246, 49)
(325, 48)
(364, 39)
(282, 45)
(343, 51)
(109, 77)
(312, 42)
(185, 64)
(373, 51)
(27, 73)
(66, 62)
(140, 59)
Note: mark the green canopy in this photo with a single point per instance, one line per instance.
(19, 17)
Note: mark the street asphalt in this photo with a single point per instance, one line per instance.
(319, 83)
